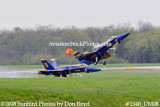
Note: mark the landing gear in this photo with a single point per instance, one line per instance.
(104, 63)
(95, 63)
(115, 51)
(96, 60)
(64, 75)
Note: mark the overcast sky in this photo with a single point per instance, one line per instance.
(79, 13)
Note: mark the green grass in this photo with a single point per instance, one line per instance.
(101, 89)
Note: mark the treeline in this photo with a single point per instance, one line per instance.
(28, 46)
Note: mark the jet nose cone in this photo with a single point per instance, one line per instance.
(92, 69)
(97, 69)
(122, 36)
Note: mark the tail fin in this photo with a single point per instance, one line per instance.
(47, 65)
(77, 54)
(54, 63)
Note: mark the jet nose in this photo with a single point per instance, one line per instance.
(97, 69)
(92, 69)
(122, 36)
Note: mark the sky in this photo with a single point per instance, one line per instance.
(78, 13)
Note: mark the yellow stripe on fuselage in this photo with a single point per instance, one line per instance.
(77, 70)
(115, 44)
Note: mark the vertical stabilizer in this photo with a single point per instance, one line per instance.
(47, 65)
(54, 63)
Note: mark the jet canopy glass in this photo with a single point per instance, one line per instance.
(105, 43)
(111, 38)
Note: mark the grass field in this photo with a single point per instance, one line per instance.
(111, 88)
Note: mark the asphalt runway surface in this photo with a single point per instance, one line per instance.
(33, 73)
(13, 73)
(145, 68)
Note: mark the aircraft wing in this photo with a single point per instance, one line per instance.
(107, 55)
(87, 54)
(57, 70)
(100, 48)
(76, 68)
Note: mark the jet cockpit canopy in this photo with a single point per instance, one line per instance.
(111, 38)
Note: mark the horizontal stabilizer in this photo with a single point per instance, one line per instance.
(76, 54)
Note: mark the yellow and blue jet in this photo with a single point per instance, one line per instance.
(100, 52)
(62, 71)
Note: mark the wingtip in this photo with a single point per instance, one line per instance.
(42, 59)
(53, 59)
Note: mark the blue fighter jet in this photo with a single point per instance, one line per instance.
(100, 52)
(62, 71)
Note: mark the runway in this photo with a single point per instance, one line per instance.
(23, 73)
(145, 68)
(33, 73)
